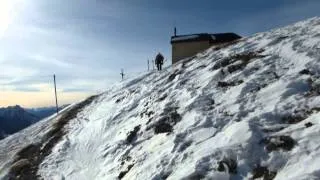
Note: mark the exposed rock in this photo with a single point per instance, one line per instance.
(270, 130)
(275, 143)
(162, 127)
(244, 57)
(132, 134)
(173, 75)
(19, 165)
(308, 124)
(263, 172)
(235, 67)
(227, 165)
(293, 119)
(165, 124)
(305, 71)
(125, 158)
(163, 97)
(123, 173)
(184, 146)
(120, 99)
(228, 84)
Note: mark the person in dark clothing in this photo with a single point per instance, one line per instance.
(159, 61)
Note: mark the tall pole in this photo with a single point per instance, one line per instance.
(122, 74)
(55, 92)
(148, 65)
(152, 64)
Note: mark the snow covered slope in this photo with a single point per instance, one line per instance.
(245, 110)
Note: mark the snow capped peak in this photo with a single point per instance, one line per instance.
(244, 110)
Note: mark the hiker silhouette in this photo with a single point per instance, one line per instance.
(159, 61)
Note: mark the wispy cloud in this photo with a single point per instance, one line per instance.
(27, 89)
(50, 61)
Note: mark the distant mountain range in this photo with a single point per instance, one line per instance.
(42, 112)
(16, 118)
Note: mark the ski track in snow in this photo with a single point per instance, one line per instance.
(217, 123)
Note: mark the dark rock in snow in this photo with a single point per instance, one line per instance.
(275, 143)
(123, 173)
(308, 124)
(235, 67)
(165, 124)
(315, 87)
(184, 146)
(132, 134)
(227, 165)
(305, 71)
(172, 76)
(263, 172)
(293, 119)
(162, 127)
(228, 84)
(163, 97)
(244, 57)
(125, 158)
(120, 99)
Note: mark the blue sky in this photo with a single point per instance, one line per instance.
(86, 42)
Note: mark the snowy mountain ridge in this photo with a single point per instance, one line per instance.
(246, 110)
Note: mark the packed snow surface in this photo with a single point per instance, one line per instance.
(246, 110)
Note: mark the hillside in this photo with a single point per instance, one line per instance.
(245, 110)
(16, 118)
(13, 119)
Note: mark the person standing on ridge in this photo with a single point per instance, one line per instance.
(159, 61)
